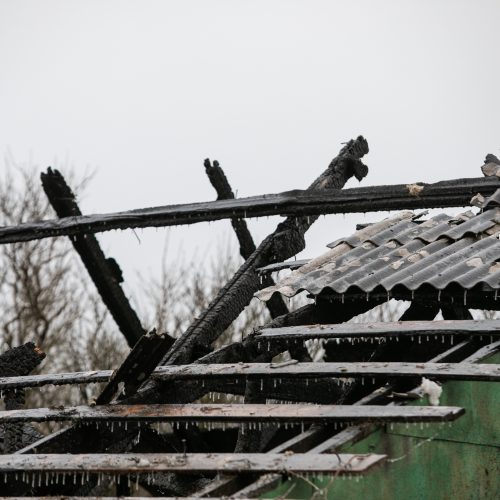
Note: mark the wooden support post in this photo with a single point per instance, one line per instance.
(18, 361)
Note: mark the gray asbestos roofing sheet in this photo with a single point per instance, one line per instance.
(444, 250)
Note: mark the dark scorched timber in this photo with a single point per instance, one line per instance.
(14, 362)
(218, 179)
(260, 371)
(104, 272)
(187, 463)
(20, 360)
(450, 193)
(137, 367)
(239, 413)
(462, 371)
(486, 328)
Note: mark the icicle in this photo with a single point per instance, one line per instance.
(261, 384)
(465, 297)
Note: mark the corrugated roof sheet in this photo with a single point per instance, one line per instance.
(441, 251)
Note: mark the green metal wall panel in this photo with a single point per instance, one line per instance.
(437, 462)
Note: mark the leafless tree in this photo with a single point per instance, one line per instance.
(45, 295)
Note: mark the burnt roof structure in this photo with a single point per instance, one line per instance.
(241, 450)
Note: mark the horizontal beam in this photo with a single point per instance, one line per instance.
(462, 371)
(148, 463)
(451, 193)
(397, 329)
(251, 413)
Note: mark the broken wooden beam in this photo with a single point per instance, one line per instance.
(137, 367)
(218, 179)
(383, 331)
(153, 463)
(104, 272)
(239, 413)
(20, 360)
(315, 202)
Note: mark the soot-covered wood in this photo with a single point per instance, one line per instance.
(218, 179)
(105, 272)
(18, 361)
(449, 193)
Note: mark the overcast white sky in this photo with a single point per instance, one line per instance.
(143, 91)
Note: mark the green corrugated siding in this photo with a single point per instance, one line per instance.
(462, 461)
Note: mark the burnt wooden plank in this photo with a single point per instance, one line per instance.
(252, 413)
(457, 371)
(104, 272)
(64, 378)
(119, 464)
(137, 367)
(450, 193)
(483, 328)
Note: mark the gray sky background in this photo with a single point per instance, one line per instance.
(143, 91)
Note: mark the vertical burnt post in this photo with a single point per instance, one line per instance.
(17, 361)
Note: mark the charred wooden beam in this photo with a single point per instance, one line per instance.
(478, 297)
(238, 413)
(20, 360)
(449, 193)
(137, 367)
(386, 331)
(219, 181)
(104, 272)
(153, 463)
(259, 371)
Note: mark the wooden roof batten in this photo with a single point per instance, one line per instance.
(182, 366)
